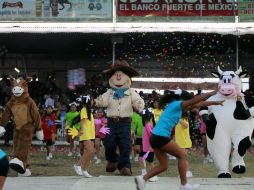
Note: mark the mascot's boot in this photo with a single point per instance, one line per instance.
(239, 169)
(224, 175)
(2, 131)
(17, 165)
(125, 172)
(26, 174)
(111, 167)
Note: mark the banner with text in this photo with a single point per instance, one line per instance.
(246, 10)
(176, 8)
(54, 9)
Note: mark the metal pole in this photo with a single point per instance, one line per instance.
(114, 13)
(237, 52)
(24, 63)
(114, 25)
(114, 53)
(237, 42)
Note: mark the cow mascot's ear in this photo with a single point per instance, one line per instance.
(217, 73)
(241, 73)
(244, 74)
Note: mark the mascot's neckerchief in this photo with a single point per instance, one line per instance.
(119, 93)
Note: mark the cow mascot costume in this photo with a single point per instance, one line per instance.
(229, 127)
(26, 117)
(120, 100)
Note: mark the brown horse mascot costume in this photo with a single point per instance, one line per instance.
(26, 117)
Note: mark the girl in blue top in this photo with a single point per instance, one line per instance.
(4, 168)
(160, 138)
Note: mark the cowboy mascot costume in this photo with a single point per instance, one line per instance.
(120, 100)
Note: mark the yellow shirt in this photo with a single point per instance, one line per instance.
(182, 135)
(157, 113)
(88, 126)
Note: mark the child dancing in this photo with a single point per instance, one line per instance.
(86, 134)
(147, 156)
(160, 142)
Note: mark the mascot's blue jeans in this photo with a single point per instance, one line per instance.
(119, 136)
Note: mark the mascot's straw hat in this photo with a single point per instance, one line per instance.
(121, 66)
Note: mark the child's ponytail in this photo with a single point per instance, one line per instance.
(86, 102)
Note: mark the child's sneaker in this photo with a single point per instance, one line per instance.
(86, 174)
(42, 148)
(188, 174)
(77, 169)
(47, 158)
(210, 160)
(140, 182)
(78, 154)
(188, 186)
(170, 157)
(153, 179)
(53, 148)
(143, 172)
(98, 161)
(205, 161)
(50, 155)
(69, 154)
(136, 158)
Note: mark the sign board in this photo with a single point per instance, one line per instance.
(66, 10)
(174, 8)
(246, 10)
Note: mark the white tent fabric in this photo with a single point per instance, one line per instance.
(220, 28)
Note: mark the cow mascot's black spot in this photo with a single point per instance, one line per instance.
(230, 126)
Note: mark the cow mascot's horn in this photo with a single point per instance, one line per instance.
(239, 70)
(219, 70)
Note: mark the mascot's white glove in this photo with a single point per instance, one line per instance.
(2, 131)
(251, 110)
(39, 135)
